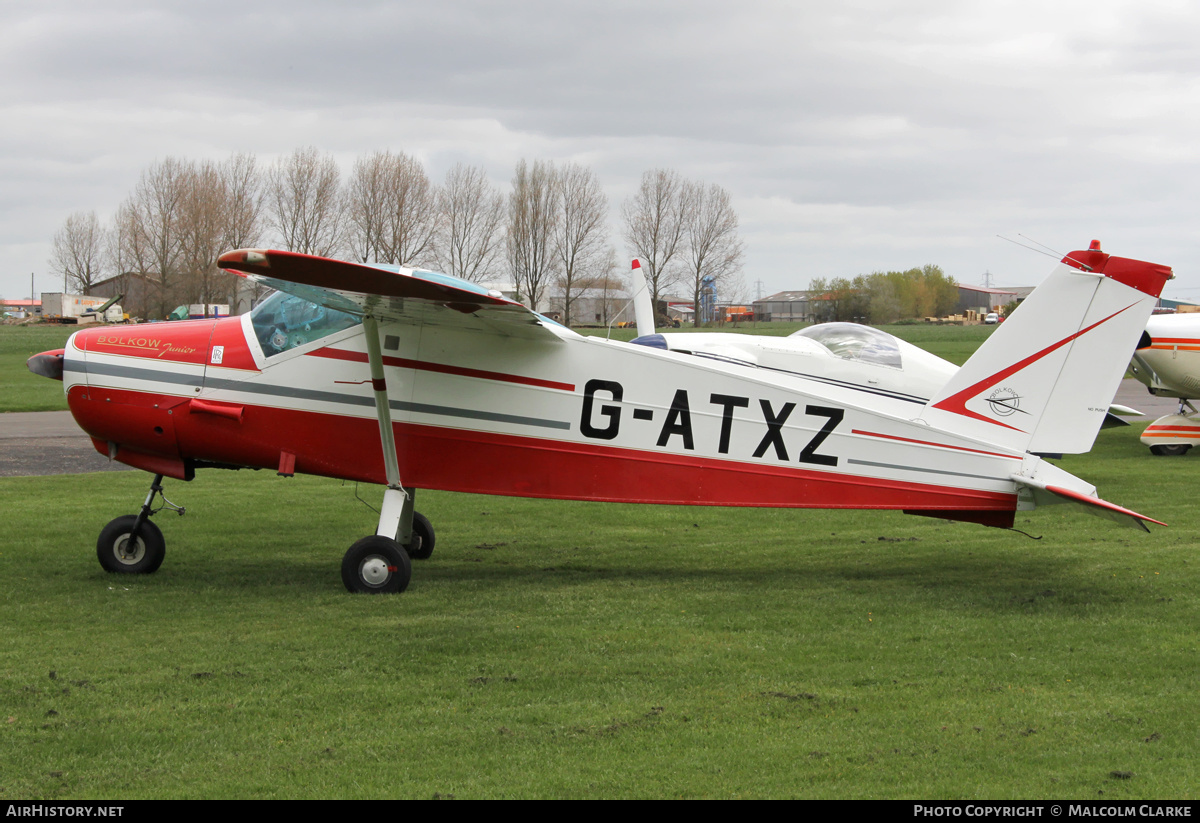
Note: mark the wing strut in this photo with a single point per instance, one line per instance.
(396, 513)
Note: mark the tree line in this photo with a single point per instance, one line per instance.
(549, 234)
(885, 297)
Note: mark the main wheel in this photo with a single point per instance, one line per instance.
(1170, 450)
(376, 565)
(120, 552)
(421, 547)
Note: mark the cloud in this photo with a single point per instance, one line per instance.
(845, 133)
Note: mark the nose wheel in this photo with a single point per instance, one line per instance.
(123, 550)
(131, 544)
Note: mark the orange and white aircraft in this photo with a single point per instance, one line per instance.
(417, 380)
(1167, 360)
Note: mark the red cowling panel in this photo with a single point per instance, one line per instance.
(182, 342)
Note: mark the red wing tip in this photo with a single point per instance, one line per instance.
(636, 264)
(253, 257)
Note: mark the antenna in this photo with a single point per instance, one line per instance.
(1055, 254)
(1031, 248)
(1043, 245)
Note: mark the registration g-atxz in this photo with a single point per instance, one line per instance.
(416, 380)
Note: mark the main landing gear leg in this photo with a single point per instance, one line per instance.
(131, 544)
(381, 563)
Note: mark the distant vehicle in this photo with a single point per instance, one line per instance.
(992, 319)
(58, 307)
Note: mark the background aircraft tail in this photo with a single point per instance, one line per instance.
(1045, 378)
(643, 307)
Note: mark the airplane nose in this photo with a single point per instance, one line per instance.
(47, 364)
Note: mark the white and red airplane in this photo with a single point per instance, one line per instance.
(417, 380)
(1167, 360)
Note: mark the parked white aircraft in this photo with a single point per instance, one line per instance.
(1167, 360)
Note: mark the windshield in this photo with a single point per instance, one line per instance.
(284, 321)
(851, 341)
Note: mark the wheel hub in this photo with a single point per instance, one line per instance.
(375, 571)
(129, 551)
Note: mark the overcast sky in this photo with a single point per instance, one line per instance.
(853, 136)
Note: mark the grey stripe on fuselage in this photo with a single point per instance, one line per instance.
(249, 387)
(917, 469)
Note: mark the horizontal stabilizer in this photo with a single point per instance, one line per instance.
(1052, 493)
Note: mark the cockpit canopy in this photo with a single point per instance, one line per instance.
(284, 321)
(850, 341)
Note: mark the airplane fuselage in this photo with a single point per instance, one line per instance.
(574, 418)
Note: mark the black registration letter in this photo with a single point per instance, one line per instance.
(613, 413)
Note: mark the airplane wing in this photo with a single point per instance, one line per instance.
(389, 292)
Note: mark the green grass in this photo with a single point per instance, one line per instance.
(559, 649)
(19, 389)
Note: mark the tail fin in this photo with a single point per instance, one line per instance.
(1044, 380)
(643, 307)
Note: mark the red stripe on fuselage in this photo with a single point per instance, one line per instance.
(460, 460)
(936, 445)
(405, 363)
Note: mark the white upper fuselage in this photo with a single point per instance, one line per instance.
(836, 353)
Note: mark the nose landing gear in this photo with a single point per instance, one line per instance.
(131, 544)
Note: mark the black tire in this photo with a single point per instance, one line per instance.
(423, 538)
(120, 554)
(1170, 450)
(376, 565)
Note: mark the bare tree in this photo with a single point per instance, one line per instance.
(413, 217)
(655, 228)
(366, 206)
(129, 256)
(304, 202)
(153, 211)
(203, 215)
(78, 252)
(472, 217)
(532, 223)
(580, 233)
(392, 210)
(243, 192)
(243, 185)
(713, 248)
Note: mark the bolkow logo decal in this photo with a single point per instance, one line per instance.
(155, 345)
(1004, 401)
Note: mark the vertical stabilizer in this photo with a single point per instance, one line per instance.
(1044, 380)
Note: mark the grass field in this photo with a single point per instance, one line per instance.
(20, 390)
(557, 649)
